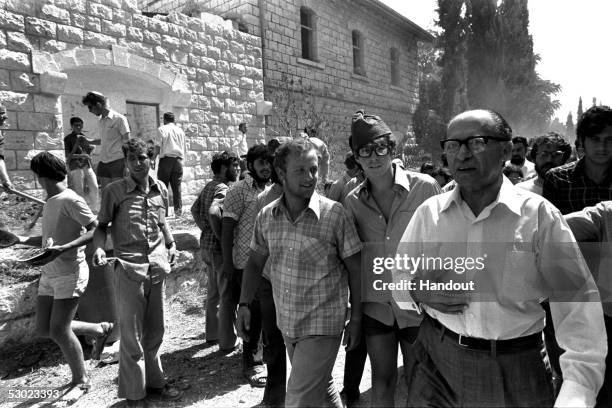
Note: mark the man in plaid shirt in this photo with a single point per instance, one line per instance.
(206, 214)
(236, 231)
(588, 181)
(313, 253)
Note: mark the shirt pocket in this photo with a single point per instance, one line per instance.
(521, 281)
(313, 251)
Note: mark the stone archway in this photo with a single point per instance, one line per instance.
(121, 75)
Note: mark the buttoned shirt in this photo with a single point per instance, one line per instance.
(410, 191)
(308, 276)
(337, 187)
(213, 191)
(237, 206)
(270, 193)
(112, 127)
(570, 189)
(135, 218)
(592, 227)
(171, 141)
(529, 255)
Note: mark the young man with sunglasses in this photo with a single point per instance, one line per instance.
(482, 347)
(381, 208)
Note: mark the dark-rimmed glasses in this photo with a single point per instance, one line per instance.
(475, 144)
(366, 151)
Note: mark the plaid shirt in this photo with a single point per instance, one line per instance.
(136, 217)
(237, 206)
(309, 279)
(569, 188)
(213, 191)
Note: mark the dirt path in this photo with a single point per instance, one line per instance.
(215, 380)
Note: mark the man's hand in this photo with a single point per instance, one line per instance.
(7, 184)
(243, 322)
(99, 257)
(172, 254)
(452, 302)
(352, 334)
(50, 254)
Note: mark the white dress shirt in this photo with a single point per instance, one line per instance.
(530, 255)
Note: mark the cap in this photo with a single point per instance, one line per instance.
(366, 128)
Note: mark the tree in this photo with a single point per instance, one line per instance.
(580, 112)
(570, 129)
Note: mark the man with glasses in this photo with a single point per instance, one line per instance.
(381, 208)
(548, 151)
(481, 347)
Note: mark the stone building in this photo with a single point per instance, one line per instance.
(324, 59)
(53, 51)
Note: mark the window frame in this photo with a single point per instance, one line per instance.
(309, 33)
(395, 66)
(357, 46)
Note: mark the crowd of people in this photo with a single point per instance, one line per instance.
(288, 272)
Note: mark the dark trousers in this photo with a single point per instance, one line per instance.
(249, 348)
(171, 171)
(604, 398)
(450, 375)
(553, 350)
(274, 348)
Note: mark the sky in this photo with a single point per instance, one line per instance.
(569, 35)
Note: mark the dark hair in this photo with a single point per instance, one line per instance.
(443, 172)
(593, 122)
(294, 147)
(94, 97)
(258, 151)
(224, 158)
(137, 146)
(427, 166)
(520, 139)
(551, 138)
(349, 161)
(169, 117)
(44, 164)
(74, 120)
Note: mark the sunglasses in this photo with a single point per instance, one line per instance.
(366, 151)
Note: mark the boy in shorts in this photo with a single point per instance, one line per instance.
(64, 273)
(134, 209)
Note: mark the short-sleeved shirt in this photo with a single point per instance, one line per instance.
(270, 193)
(214, 190)
(237, 206)
(171, 141)
(83, 147)
(64, 216)
(136, 217)
(307, 272)
(112, 127)
(570, 189)
(337, 187)
(410, 191)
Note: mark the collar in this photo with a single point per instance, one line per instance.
(401, 182)
(250, 181)
(131, 185)
(111, 114)
(314, 205)
(505, 196)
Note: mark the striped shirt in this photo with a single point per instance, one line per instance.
(309, 279)
(213, 191)
(570, 189)
(136, 217)
(237, 206)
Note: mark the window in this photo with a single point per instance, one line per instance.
(358, 66)
(307, 21)
(395, 74)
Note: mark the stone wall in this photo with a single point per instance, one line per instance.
(53, 51)
(329, 82)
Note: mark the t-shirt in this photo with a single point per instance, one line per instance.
(63, 219)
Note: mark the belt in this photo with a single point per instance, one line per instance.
(495, 346)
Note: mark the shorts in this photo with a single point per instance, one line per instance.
(112, 169)
(64, 286)
(373, 327)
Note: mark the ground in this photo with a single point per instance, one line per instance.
(213, 380)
